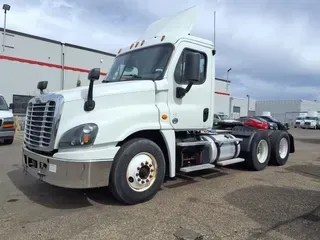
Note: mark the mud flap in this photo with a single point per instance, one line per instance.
(292, 147)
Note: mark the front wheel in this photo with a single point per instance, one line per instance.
(137, 172)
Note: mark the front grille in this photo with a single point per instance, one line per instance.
(39, 124)
(0, 122)
(307, 123)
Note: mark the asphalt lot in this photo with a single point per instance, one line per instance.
(228, 203)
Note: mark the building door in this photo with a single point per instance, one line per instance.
(236, 112)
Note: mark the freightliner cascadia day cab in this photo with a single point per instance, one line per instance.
(147, 121)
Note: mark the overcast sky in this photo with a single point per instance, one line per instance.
(272, 46)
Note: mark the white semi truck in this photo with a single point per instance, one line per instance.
(299, 120)
(135, 130)
(311, 120)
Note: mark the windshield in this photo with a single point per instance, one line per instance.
(143, 64)
(3, 104)
(224, 117)
(311, 118)
(299, 118)
(260, 119)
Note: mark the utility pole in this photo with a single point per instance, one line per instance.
(6, 8)
(248, 96)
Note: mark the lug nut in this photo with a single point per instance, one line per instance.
(142, 182)
(147, 180)
(146, 162)
(130, 179)
(151, 176)
(139, 179)
(138, 169)
(150, 165)
(137, 174)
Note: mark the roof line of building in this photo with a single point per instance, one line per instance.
(13, 32)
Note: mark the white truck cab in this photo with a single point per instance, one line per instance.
(299, 120)
(137, 128)
(311, 121)
(7, 129)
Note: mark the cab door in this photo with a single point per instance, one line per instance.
(194, 109)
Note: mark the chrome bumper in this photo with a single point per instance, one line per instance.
(6, 133)
(66, 173)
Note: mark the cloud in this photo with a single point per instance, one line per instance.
(271, 46)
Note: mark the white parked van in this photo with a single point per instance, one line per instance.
(6, 122)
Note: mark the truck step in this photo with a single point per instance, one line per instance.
(195, 143)
(197, 168)
(230, 161)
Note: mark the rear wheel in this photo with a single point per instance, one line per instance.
(258, 157)
(138, 171)
(280, 148)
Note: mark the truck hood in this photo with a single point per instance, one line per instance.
(5, 114)
(105, 89)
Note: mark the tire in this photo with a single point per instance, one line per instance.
(253, 162)
(280, 148)
(125, 180)
(8, 141)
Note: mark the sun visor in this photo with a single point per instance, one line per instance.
(180, 24)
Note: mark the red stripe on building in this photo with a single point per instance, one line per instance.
(44, 64)
(222, 93)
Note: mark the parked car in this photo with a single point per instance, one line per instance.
(223, 121)
(281, 126)
(7, 129)
(253, 122)
(272, 125)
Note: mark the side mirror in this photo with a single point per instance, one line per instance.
(11, 106)
(192, 67)
(191, 73)
(42, 85)
(94, 74)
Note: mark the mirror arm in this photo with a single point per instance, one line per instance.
(90, 103)
(181, 92)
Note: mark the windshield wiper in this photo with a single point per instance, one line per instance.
(135, 76)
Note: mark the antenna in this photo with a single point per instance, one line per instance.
(214, 29)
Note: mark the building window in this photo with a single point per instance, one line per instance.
(236, 109)
(178, 73)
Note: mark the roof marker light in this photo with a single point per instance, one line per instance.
(137, 44)
(162, 38)
(143, 41)
(132, 45)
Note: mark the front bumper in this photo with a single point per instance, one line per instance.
(7, 133)
(309, 126)
(67, 173)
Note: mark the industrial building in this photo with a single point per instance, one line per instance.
(286, 110)
(28, 59)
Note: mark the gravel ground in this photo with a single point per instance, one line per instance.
(228, 203)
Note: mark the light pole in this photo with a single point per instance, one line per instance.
(228, 73)
(6, 8)
(248, 96)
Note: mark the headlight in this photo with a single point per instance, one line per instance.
(8, 120)
(83, 135)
